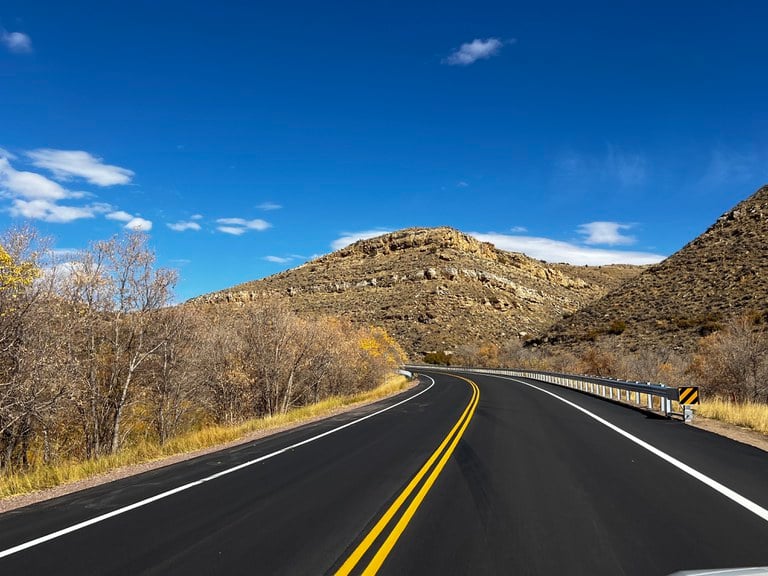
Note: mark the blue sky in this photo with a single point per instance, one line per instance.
(247, 137)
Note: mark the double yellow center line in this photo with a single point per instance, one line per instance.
(431, 471)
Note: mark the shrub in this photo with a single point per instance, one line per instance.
(437, 358)
(733, 363)
(617, 327)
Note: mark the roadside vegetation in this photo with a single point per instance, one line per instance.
(50, 475)
(98, 370)
(730, 366)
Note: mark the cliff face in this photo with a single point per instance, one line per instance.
(722, 273)
(434, 289)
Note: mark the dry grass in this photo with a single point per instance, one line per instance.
(750, 415)
(43, 477)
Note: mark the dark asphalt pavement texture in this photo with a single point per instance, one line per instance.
(534, 486)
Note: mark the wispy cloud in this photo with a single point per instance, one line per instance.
(518, 229)
(239, 226)
(68, 164)
(233, 230)
(557, 251)
(730, 166)
(614, 167)
(278, 259)
(606, 233)
(182, 226)
(120, 216)
(348, 238)
(478, 49)
(269, 206)
(16, 42)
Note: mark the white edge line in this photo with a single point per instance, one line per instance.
(753, 507)
(140, 503)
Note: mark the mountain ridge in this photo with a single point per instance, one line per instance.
(719, 274)
(434, 288)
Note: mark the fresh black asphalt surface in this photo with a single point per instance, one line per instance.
(533, 487)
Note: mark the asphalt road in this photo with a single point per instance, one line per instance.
(497, 478)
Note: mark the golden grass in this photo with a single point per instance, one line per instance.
(752, 415)
(48, 476)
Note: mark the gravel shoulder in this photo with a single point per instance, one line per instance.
(737, 433)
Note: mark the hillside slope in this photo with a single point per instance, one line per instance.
(722, 273)
(435, 289)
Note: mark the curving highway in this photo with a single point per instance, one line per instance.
(461, 475)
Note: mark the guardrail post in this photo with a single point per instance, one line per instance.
(687, 413)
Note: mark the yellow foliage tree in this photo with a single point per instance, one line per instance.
(378, 344)
(15, 275)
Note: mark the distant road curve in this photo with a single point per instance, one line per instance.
(472, 475)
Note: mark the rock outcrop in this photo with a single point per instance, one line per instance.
(434, 289)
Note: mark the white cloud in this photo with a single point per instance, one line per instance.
(120, 216)
(196, 217)
(461, 184)
(182, 226)
(131, 222)
(139, 225)
(471, 52)
(277, 259)
(238, 226)
(48, 211)
(348, 238)
(231, 230)
(66, 164)
(518, 229)
(558, 251)
(608, 233)
(35, 196)
(268, 206)
(31, 185)
(16, 42)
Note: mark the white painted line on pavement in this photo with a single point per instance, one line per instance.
(753, 507)
(139, 504)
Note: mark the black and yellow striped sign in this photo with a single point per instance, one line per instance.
(688, 395)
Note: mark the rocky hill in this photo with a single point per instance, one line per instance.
(723, 272)
(434, 289)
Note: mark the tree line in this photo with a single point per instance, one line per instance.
(731, 363)
(93, 356)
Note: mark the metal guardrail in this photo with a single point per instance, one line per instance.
(610, 388)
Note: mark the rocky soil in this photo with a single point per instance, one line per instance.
(722, 273)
